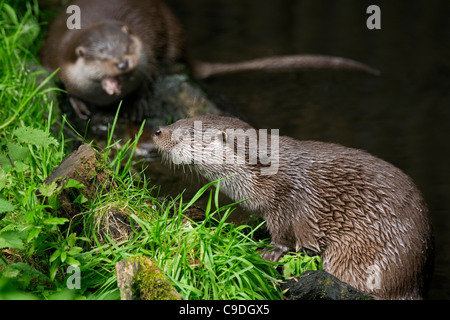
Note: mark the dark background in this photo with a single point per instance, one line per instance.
(402, 116)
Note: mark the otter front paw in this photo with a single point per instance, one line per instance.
(276, 253)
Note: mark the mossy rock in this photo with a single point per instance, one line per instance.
(139, 278)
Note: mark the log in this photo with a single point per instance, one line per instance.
(86, 166)
(321, 285)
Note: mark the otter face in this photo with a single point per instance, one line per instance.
(197, 141)
(207, 141)
(176, 142)
(107, 56)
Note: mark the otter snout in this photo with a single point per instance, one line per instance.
(162, 138)
(165, 138)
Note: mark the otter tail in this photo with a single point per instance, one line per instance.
(203, 70)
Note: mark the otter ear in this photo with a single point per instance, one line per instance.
(79, 51)
(125, 29)
(221, 135)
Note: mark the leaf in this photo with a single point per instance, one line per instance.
(11, 239)
(53, 270)
(10, 272)
(5, 206)
(34, 136)
(5, 164)
(71, 183)
(297, 263)
(8, 12)
(55, 255)
(80, 199)
(71, 239)
(5, 179)
(53, 221)
(72, 262)
(75, 251)
(53, 202)
(21, 167)
(63, 256)
(48, 189)
(33, 234)
(16, 151)
(29, 216)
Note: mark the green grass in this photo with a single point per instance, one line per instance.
(208, 260)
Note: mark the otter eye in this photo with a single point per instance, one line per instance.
(185, 133)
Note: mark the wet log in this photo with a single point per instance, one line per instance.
(320, 285)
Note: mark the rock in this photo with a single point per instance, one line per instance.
(177, 97)
(320, 285)
(138, 278)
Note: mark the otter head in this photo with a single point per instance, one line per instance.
(214, 144)
(188, 141)
(107, 54)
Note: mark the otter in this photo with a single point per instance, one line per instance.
(365, 217)
(120, 47)
(123, 45)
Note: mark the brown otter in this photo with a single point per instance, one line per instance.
(120, 48)
(123, 44)
(364, 216)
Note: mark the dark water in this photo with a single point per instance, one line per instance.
(402, 116)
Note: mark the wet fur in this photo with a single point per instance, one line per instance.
(359, 212)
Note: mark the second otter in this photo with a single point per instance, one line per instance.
(124, 44)
(120, 47)
(364, 216)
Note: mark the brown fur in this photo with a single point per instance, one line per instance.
(364, 216)
(144, 33)
(202, 70)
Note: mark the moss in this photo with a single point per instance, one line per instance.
(328, 282)
(150, 283)
(326, 290)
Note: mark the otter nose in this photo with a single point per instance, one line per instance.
(122, 65)
(157, 132)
